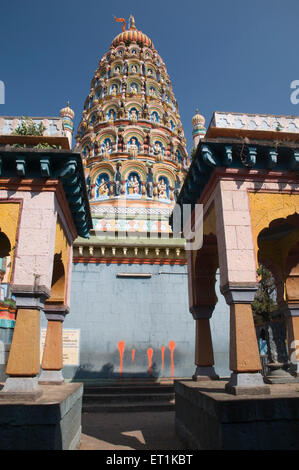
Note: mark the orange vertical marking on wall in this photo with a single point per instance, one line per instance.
(150, 353)
(171, 347)
(162, 357)
(133, 355)
(121, 348)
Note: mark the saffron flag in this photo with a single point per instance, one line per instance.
(121, 20)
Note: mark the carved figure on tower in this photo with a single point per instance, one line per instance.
(158, 152)
(106, 151)
(162, 187)
(103, 188)
(150, 183)
(117, 181)
(133, 150)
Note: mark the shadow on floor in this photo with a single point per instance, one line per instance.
(137, 431)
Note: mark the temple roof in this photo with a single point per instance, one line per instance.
(131, 136)
(241, 154)
(51, 164)
(132, 35)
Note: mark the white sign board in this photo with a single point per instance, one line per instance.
(70, 346)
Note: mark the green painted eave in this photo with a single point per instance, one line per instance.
(42, 164)
(131, 241)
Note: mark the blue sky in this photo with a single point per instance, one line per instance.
(226, 55)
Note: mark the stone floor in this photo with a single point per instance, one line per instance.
(129, 431)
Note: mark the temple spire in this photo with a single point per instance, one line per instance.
(132, 23)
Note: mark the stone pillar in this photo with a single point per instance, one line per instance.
(23, 364)
(204, 355)
(244, 355)
(292, 297)
(202, 300)
(292, 321)
(52, 356)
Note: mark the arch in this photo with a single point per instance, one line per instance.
(119, 51)
(148, 54)
(111, 114)
(157, 135)
(150, 71)
(135, 48)
(114, 89)
(137, 142)
(58, 280)
(134, 131)
(155, 116)
(134, 67)
(162, 170)
(60, 266)
(152, 90)
(133, 104)
(130, 166)
(202, 277)
(275, 241)
(116, 68)
(133, 86)
(5, 246)
(103, 167)
(131, 112)
(105, 133)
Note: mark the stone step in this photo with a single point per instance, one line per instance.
(124, 389)
(126, 397)
(128, 407)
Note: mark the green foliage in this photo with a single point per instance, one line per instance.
(42, 145)
(9, 302)
(28, 127)
(264, 304)
(46, 146)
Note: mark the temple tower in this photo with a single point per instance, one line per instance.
(132, 270)
(131, 137)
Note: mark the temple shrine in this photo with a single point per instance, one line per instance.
(130, 276)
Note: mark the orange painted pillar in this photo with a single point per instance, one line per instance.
(204, 355)
(52, 362)
(244, 357)
(244, 352)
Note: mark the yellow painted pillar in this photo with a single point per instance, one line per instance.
(23, 364)
(204, 355)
